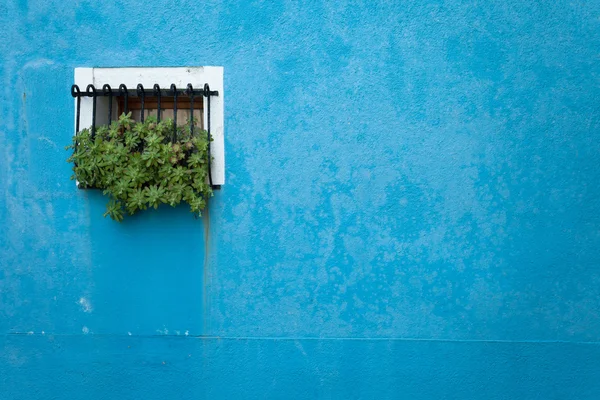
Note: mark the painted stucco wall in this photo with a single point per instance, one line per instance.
(411, 207)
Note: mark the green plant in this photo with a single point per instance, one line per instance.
(138, 166)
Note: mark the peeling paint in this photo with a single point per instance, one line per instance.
(85, 305)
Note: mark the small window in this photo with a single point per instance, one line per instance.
(164, 78)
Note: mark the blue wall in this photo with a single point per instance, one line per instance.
(411, 207)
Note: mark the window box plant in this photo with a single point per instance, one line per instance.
(143, 164)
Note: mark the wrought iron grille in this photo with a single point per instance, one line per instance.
(142, 93)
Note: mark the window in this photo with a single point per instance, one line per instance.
(164, 78)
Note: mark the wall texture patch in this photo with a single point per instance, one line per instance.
(411, 206)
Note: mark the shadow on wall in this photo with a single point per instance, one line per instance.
(148, 270)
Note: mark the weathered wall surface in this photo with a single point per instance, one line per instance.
(411, 207)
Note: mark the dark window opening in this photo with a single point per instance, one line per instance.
(167, 103)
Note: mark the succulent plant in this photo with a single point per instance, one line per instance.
(137, 166)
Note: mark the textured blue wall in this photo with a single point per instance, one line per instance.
(411, 208)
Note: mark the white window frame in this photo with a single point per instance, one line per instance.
(148, 76)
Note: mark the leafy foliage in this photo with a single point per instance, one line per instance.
(138, 166)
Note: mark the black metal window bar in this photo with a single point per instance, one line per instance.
(141, 92)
